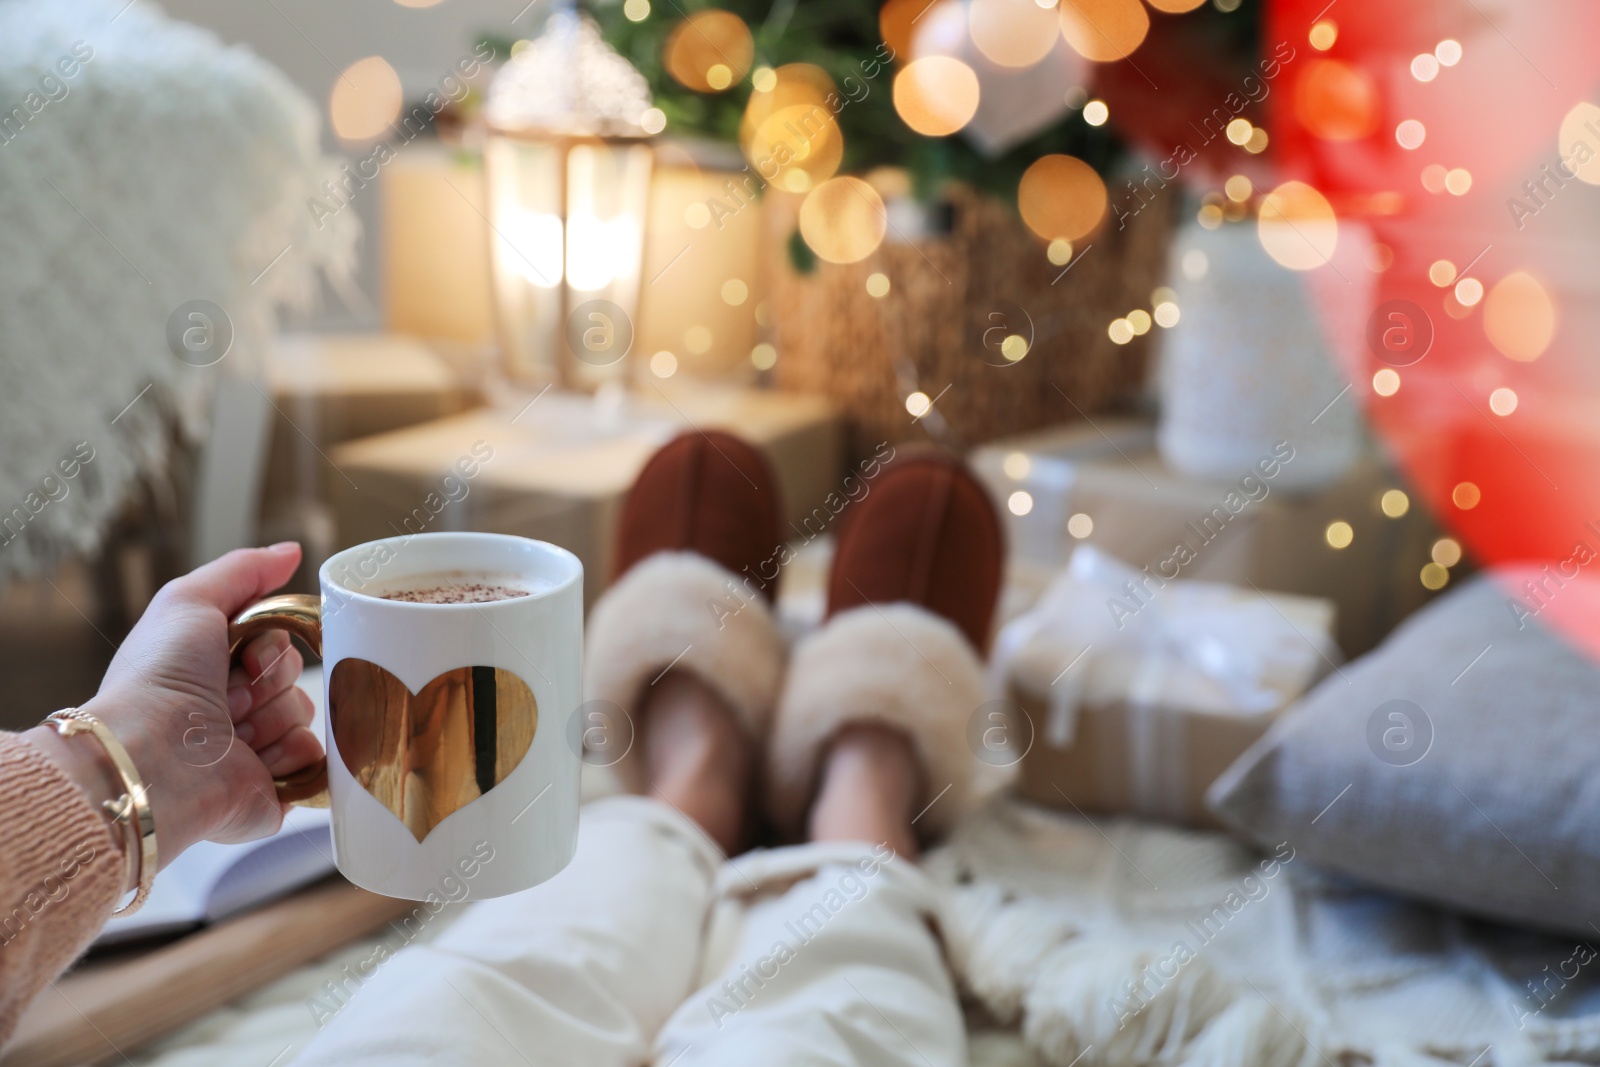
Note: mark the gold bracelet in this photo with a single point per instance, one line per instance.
(130, 811)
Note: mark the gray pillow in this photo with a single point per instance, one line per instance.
(1459, 762)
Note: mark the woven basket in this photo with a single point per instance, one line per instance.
(953, 300)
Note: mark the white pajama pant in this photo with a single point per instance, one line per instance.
(651, 949)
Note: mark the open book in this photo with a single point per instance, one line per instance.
(211, 882)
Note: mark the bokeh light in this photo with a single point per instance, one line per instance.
(877, 285)
(788, 132)
(1017, 465)
(1448, 52)
(1104, 30)
(704, 42)
(1061, 198)
(1020, 502)
(1080, 525)
(1323, 34)
(1410, 134)
(764, 356)
(1466, 495)
(918, 404)
(366, 99)
(936, 95)
(663, 364)
(1297, 226)
(843, 220)
(1434, 576)
(1446, 552)
(1339, 534)
(1579, 149)
(1336, 101)
(1095, 112)
(734, 292)
(1503, 401)
(1394, 503)
(697, 339)
(1441, 272)
(1012, 33)
(1519, 318)
(1386, 382)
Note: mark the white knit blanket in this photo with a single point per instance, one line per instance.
(143, 164)
(1113, 941)
(1065, 933)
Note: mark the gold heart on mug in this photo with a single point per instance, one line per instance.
(428, 754)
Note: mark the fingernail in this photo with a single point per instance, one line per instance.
(245, 732)
(284, 546)
(238, 701)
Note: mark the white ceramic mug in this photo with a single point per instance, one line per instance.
(446, 739)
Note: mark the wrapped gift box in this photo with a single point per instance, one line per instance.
(557, 467)
(1135, 699)
(1104, 484)
(330, 388)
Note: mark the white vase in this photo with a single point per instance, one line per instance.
(1248, 365)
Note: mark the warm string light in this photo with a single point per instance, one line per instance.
(1503, 401)
(697, 339)
(366, 99)
(709, 50)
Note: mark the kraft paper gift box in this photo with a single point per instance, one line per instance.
(1142, 510)
(558, 469)
(330, 388)
(1136, 698)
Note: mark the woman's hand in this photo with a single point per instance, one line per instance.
(206, 737)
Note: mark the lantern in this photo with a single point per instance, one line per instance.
(568, 167)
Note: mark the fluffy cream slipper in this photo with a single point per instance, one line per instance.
(681, 609)
(897, 665)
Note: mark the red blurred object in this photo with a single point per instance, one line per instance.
(1490, 122)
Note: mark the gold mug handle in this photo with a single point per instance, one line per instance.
(301, 616)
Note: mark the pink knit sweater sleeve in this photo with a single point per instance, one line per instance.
(60, 875)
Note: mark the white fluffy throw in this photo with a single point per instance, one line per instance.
(143, 165)
(1119, 942)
